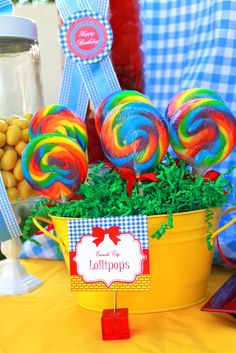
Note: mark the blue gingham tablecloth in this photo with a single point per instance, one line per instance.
(42, 247)
(192, 43)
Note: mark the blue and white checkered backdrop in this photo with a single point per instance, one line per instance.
(192, 43)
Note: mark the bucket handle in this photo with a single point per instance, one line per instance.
(227, 225)
(45, 231)
(221, 229)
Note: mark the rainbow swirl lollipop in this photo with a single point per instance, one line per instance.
(203, 133)
(135, 136)
(54, 165)
(187, 95)
(110, 102)
(56, 118)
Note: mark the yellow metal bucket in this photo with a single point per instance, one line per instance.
(180, 263)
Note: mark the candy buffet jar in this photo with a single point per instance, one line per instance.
(20, 97)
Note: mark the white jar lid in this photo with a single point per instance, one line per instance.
(18, 27)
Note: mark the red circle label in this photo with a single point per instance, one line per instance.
(87, 38)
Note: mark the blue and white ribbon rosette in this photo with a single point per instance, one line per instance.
(8, 224)
(86, 38)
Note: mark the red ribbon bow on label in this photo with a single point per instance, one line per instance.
(100, 233)
(129, 175)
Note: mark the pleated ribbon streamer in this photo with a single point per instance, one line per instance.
(8, 224)
(90, 76)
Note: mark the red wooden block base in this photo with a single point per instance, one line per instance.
(115, 327)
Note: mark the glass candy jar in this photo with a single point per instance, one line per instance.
(20, 97)
(20, 81)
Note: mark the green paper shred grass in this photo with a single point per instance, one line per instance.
(104, 195)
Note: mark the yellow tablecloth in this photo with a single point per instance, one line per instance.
(49, 320)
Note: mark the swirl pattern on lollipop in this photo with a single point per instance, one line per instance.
(54, 165)
(203, 133)
(135, 136)
(59, 119)
(112, 101)
(187, 95)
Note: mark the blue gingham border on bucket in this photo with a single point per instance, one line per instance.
(137, 225)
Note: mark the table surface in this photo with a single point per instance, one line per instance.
(50, 320)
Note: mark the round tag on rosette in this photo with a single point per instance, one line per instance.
(86, 37)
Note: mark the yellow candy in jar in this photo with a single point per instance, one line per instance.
(20, 147)
(13, 139)
(3, 126)
(25, 135)
(12, 119)
(2, 139)
(28, 116)
(24, 189)
(12, 193)
(8, 179)
(17, 171)
(8, 160)
(13, 135)
(21, 123)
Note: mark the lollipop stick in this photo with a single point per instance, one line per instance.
(140, 190)
(63, 198)
(199, 171)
